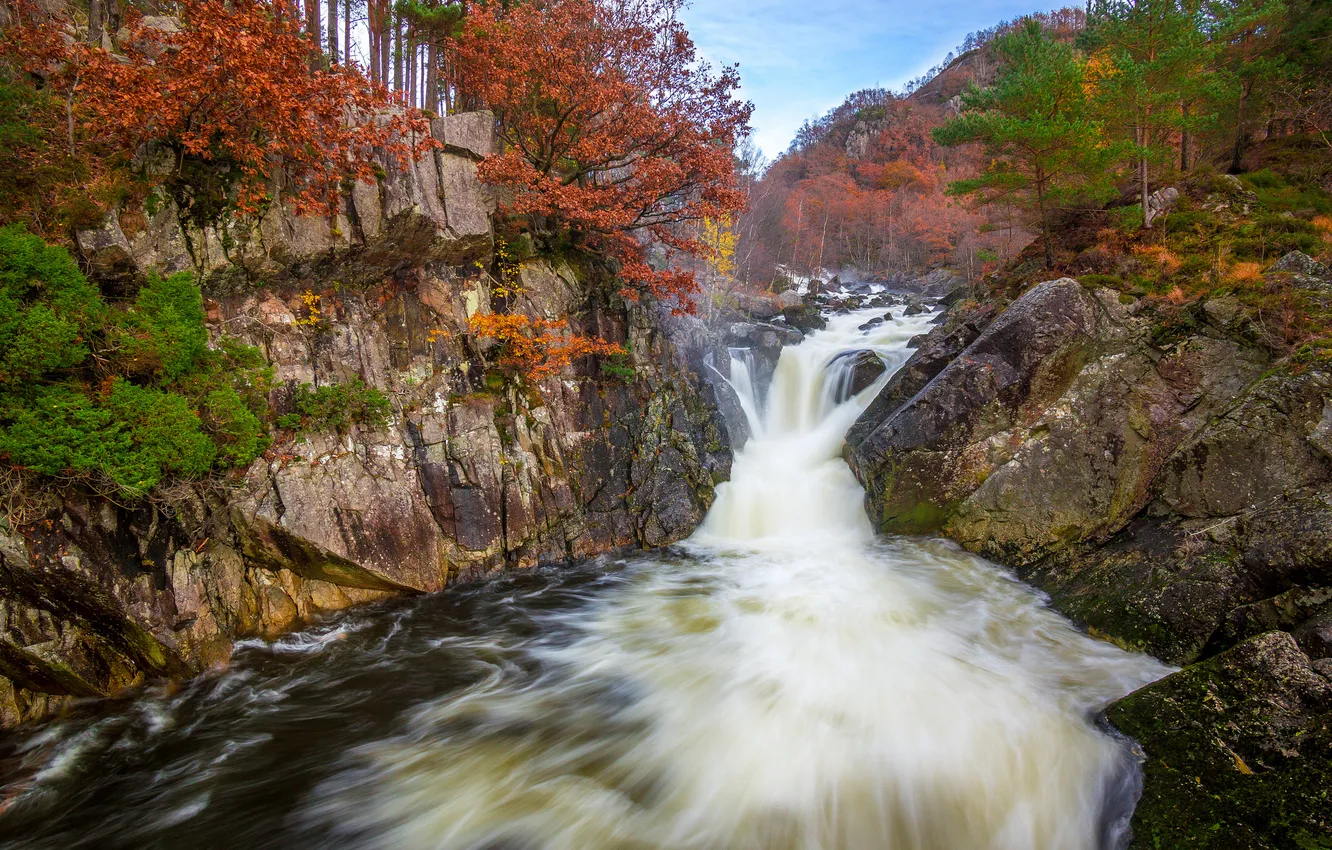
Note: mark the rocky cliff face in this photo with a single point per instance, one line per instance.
(473, 473)
(1170, 493)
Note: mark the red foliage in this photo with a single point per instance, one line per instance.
(878, 204)
(240, 86)
(536, 348)
(613, 128)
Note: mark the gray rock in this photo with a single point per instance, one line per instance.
(1162, 201)
(106, 250)
(1301, 264)
(788, 299)
(913, 464)
(467, 133)
(854, 372)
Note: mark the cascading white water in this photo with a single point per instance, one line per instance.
(787, 682)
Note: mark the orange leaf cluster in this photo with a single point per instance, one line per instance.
(240, 86)
(613, 127)
(536, 348)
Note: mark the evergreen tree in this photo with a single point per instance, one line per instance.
(1044, 147)
(1148, 59)
(1248, 35)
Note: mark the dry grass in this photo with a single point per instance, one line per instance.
(1245, 272)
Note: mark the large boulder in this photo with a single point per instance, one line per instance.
(1238, 751)
(923, 459)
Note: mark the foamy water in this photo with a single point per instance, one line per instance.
(784, 680)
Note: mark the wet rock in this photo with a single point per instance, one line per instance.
(788, 300)
(914, 307)
(1236, 751)
(805, 317)
(936, 284)
(915, 464)
(856, 371)
(871, 324)
(933, 351)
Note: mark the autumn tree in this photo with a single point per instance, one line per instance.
(1044, 146)
(615, 133)
(230, 101)
(536, 348)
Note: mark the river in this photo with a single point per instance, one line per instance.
(784, 680)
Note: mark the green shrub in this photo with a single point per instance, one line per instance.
(1127, 219)
(1264, 179)
(60, 432)
(155, 402)
(166, 433)
(165, 332)
(240, 434)
(337, 407)
(47, 309)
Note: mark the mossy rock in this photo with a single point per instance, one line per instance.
(1239, 751)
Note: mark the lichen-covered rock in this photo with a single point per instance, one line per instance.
(475, 471)
(932, 452)
(1086, 466)
(1238, 751)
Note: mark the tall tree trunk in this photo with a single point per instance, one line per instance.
(432, 77)
(372, 37)
(333, 31)
(386, 24)
(1237, 153)
(313, 29)
(397, 56)
(1142, 171)
(96, 16)
(346, 32)
(1047, 241)
(1185, 138)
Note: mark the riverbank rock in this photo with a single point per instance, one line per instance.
(1237, 751)
(1171, 492)
(474, 472)
(858, 370)
(919, 462)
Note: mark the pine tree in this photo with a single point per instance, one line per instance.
(1147, 61)
(1043, 145)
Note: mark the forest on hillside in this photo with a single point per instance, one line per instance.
(1046, 124)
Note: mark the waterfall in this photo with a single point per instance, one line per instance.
(790, 684)
(783, 681)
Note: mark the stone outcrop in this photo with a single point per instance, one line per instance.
(1238, 749)
(1170, 491)
(475, 471)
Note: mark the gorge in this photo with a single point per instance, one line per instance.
(862, 691)
(453, 433)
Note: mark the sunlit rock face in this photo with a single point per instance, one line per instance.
(1169, 488)
(472, 473)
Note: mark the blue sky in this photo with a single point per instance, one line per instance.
(800, 58)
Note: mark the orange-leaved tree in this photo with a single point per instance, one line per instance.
(536, 348)
(614, 131)
(237, 88)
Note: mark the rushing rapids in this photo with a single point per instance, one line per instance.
(783, 680)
